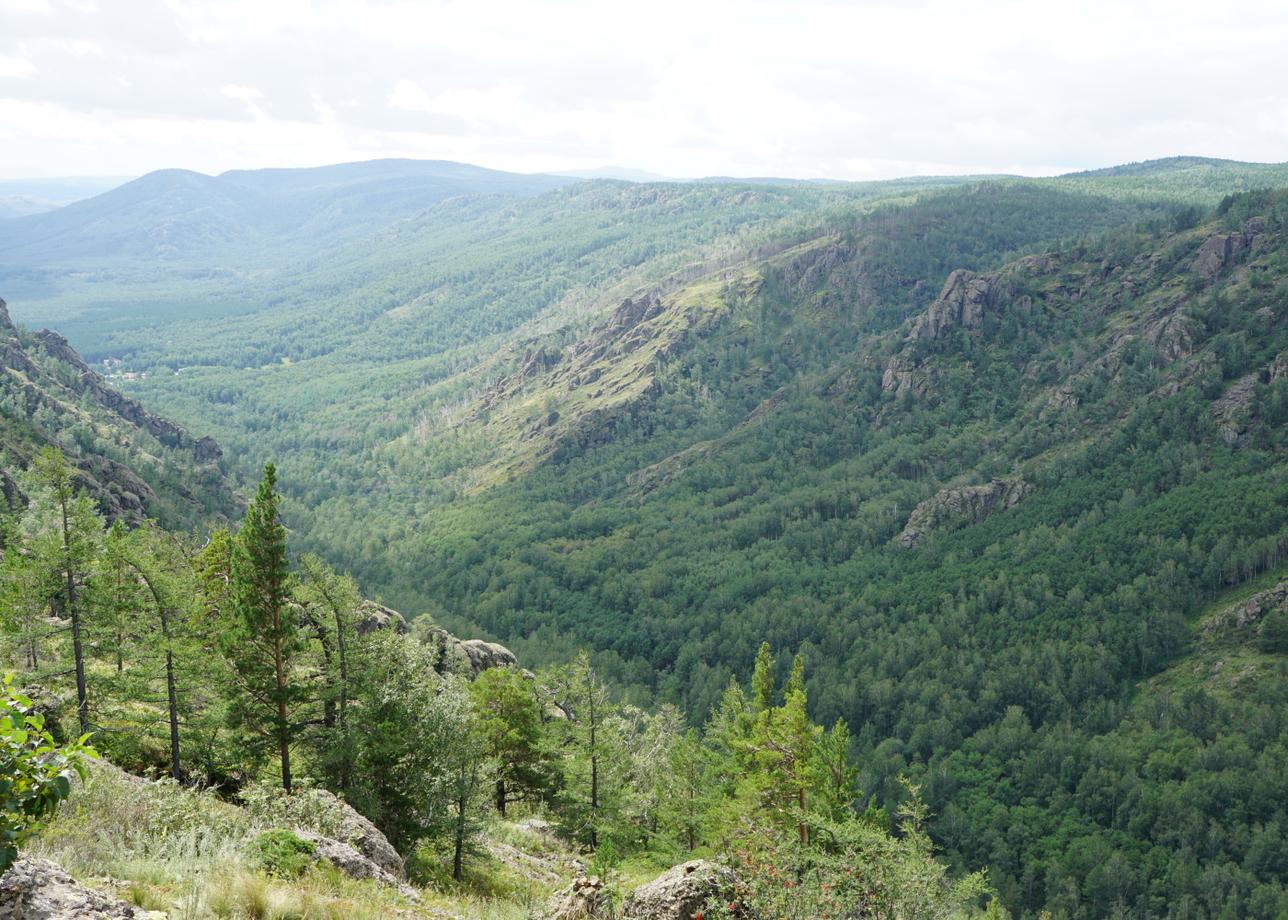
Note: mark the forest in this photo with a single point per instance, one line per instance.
(903, 519)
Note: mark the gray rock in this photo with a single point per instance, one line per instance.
(470, 657)
(37, 889)
(378, 616)
(354, 864)
(584, 899)
(1250, 612)
(360, 834)
(680, 892)
(1217, 252)
(950, 509)
(961, 303)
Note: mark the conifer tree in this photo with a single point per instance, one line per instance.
(263, 638)
(64, 533)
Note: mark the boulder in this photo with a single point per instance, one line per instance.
(352, 863)
(37, 889)
(950, 509)
(584, 899)
(680, 892)
(377, 616)
(470, 657)
(348, 827)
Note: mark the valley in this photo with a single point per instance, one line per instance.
(1000, 462)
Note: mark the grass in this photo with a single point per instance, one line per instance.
(162, 847)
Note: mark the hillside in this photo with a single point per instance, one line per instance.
(984, 454)
(177, 214)
(984, 524)
(134, 463)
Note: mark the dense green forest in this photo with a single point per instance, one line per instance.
(258, 684)
(996, 461)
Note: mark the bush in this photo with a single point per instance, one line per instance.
(283, 854)
(35, 772)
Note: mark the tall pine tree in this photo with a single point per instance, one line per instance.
(263, 635)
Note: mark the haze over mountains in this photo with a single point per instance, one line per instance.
(998, 457)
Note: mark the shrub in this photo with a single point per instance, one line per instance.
(283, 854)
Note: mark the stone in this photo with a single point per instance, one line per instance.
(680, 892)
(1217, 252)
(950, 509)
(37, 889)
(961, 303)
(1248, 613)
(354, 864)
(360, 834)
(377, 616)
(584, 899)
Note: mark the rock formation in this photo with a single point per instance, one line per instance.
(1249, 613)
(680, 892)
(584, 899)
(357, 833)
(37, 889)
(950, 509)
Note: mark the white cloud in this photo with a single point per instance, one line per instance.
(798, 87)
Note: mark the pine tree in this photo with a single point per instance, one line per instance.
(64, 533)
(263, 636)
(509, 719)
(331, 602)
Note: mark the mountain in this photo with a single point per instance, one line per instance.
(180, 215)
(133, 462)
(990, 455)
(991, 520)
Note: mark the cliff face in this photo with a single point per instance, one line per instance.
(135, 463)
(950, 509)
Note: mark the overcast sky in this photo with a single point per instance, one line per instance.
(868, 89)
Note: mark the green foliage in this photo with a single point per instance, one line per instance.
(36, 774)
(262, 635)
(283, 854)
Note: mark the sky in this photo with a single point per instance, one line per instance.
(806, 89)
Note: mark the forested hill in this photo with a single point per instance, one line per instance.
(986, 455)
(985, 511)
(134, 463)
(246, 215)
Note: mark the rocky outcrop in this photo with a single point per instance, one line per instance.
(37, 889)
(1249, 613)
(681, 892)
(470, 657)
(1217, 252)
(353, 863)
(344, 825)
(585, 899)
(962, 302)
(950, 509)
(164, 430)
(375, 616)
(1230, 409)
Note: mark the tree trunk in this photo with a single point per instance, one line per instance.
(458, 849)
(801, 828)
(500, 797)
(283, 725)
(82, 696)
(594, 772)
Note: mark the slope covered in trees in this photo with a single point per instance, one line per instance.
(1132, 383)
(983, 456)
(134, 463)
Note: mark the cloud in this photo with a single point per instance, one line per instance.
(804, 88)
